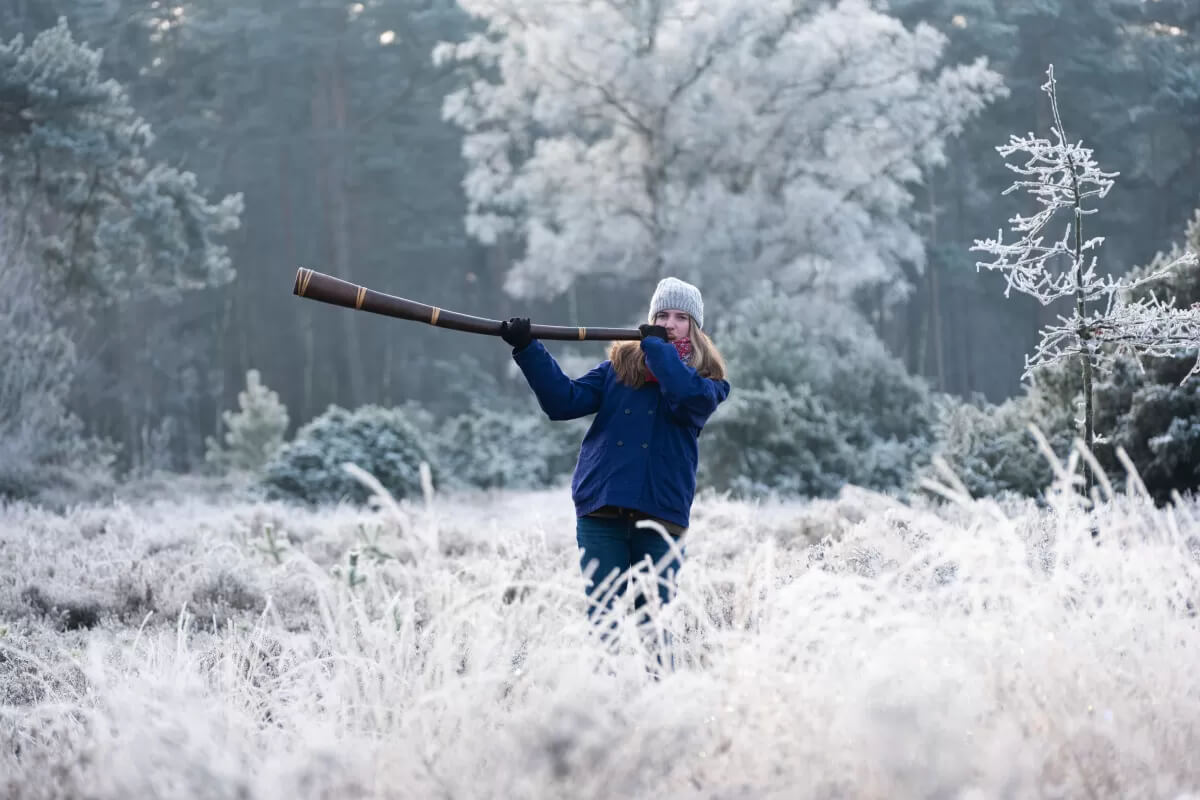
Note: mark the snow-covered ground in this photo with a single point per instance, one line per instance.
(860, 647)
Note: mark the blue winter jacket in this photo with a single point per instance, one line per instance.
(641, 450)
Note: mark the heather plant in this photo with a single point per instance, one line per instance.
(816, 645)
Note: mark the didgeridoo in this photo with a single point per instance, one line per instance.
(328, 289)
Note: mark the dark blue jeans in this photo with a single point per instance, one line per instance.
(617, 545)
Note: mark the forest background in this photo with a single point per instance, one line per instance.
(166, 167)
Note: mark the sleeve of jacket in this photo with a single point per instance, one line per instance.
(558, 395)
(690, 397)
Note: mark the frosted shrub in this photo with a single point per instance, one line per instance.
(817, 402)
(1153, 407)
(461, 380)
(254, 433)
(488, 449)
(990, 447)
(1150, 410)
(1158, 423)
(380, 440)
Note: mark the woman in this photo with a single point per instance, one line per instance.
(638, 460)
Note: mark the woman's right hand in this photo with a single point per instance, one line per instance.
(654, 330)
(515, 331)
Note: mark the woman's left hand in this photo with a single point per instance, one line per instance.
(516, 332)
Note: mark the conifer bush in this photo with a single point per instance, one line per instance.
(990, 447)
(254, 433)
(381, 441)
(1152, 410)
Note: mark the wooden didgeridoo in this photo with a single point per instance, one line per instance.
(328, 289)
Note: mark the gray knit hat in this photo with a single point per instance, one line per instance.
(673, 293)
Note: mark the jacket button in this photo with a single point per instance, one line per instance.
(628, 411)
(620, 444)
(645, 445)
(650, 413)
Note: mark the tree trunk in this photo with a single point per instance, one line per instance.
(304, 314)
(935, 305)
(218, 392)
(340, 224)
(968, 344)
(916, 337)
(1082, 332)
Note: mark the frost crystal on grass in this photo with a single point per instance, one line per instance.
(857, 646)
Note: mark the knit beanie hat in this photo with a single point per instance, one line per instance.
(673, 293)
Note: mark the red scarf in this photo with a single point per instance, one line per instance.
(683, 347)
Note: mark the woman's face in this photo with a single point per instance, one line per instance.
(677, 323)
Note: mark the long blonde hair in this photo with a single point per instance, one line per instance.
(629, 362)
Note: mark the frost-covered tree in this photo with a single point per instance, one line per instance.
(719, 140)
(254, 433)
(1147, 406)
(118, 232)
(1063, 176)
(102, 217)
(43, 445)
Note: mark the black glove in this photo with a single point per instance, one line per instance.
(653, 330)
(516, 332)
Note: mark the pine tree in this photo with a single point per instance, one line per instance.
(43, 443)
(254, 433)
(104, 219)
